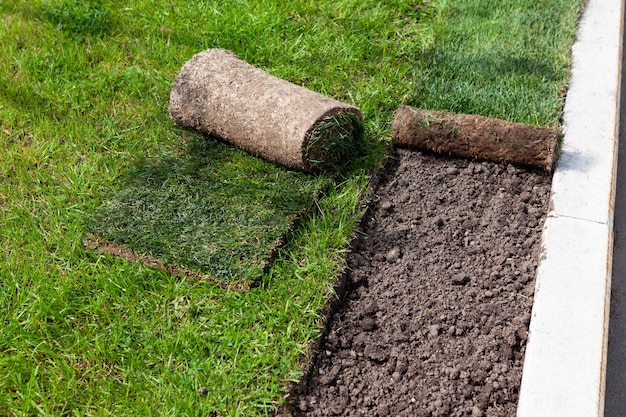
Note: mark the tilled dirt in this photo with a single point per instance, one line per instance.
(441, 279)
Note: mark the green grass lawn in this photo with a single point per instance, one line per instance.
(84, 88)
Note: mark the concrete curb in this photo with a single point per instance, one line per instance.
(565, 363)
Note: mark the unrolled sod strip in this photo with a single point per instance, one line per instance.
(477, 137)
(221, 95)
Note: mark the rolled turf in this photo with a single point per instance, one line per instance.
(221, 95)
(475, 137)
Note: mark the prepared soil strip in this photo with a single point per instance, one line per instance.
(219, 94)
(475, 137)
(441, 283)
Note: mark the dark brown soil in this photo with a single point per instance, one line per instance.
(436, 318)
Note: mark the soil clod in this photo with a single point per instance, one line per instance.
(460, 279)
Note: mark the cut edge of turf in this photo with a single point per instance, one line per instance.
(104, 247)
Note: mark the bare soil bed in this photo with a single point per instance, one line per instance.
(440, 291)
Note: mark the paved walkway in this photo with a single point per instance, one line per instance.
(566, 355)
(615, 401)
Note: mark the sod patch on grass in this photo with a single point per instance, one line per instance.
(211, 212)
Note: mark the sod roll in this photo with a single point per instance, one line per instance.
(476, 137)
(221, 95)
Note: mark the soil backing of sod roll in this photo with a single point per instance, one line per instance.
(211, 212)
(221, 95)
(475, 137)
(438, 294)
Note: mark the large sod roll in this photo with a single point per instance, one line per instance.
(221, 95)
(476, 137)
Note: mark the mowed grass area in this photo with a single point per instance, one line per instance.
(84, 88)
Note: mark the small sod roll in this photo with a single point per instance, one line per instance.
(475, 137)
(219, 94)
